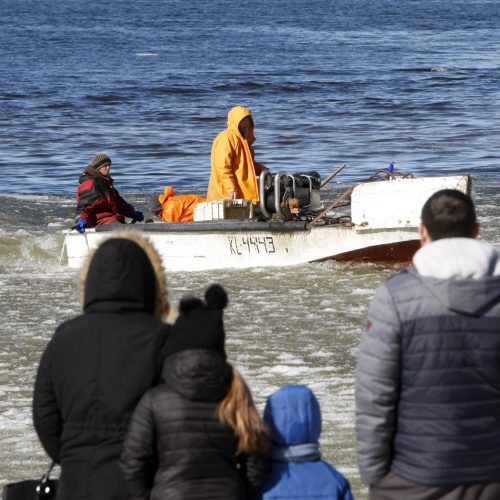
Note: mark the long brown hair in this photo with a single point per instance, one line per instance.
(238, 411)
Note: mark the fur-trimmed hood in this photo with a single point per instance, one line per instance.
(125, 272)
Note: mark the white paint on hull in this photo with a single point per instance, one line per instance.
(204, 251)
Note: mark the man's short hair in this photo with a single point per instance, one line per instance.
(449, 213)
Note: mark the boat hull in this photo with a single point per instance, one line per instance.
(241, 246)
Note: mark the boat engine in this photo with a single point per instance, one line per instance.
(289, 194)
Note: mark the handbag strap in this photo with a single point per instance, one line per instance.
(46, 476)
(44, 488)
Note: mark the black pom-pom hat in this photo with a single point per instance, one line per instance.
(200, 323)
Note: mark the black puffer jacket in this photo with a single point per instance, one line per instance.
(177, 448)
(96, 368)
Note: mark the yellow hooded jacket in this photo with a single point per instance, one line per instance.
(233, 165)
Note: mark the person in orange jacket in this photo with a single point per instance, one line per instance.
(234, 170)
(171, 208)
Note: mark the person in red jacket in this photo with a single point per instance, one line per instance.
(98, 202)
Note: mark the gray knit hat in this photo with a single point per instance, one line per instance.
(99, 160)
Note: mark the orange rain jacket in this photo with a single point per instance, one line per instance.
(177, 208)
(233, 165)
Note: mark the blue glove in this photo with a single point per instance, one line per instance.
(80, 225)
(138, 216)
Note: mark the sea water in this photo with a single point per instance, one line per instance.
(150, 83)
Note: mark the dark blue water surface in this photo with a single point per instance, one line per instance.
(150, 83)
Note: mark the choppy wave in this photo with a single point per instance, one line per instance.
(428, 69)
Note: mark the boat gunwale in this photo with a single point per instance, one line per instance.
(208, 226)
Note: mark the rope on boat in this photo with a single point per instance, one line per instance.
(62, 251)
(338, 201)
(384, 174)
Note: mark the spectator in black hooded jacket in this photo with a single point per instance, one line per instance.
(98, 365)
(198, 435)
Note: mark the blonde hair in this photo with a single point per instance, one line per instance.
(162, 306)
(238, 411)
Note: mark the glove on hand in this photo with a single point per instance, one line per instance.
(80, 225)
(138, 216)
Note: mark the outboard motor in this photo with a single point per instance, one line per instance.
(284, 194)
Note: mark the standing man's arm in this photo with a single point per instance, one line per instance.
(224, 159)
(377, 388)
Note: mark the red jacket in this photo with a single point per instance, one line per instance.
(98, 202)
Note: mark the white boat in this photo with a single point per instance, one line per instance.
(382, 224)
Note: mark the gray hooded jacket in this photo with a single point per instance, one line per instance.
(428, 373)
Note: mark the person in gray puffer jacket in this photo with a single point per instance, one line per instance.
(428, 372)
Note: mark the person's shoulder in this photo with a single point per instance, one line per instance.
(85, 176)
(403, 278)
(86, 180)
(163, 400)
(66, 334)
(401, 288)
(226, 136)
(68, 326)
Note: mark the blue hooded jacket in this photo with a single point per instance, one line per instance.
(293, 416)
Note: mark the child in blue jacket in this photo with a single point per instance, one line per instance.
(293, 418)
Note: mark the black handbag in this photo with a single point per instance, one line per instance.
(32, 489)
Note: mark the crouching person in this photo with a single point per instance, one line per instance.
(170, 207)
(198, 435)
(293, 417)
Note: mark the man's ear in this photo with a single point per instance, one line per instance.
(424, 235)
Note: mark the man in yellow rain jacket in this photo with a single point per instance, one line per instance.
(234, 170)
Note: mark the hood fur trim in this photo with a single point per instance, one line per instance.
(162, 305)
